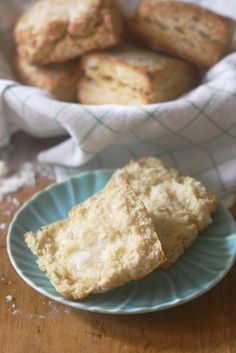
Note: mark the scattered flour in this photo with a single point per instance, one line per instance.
(67, 310)
(16, 312)
(53, 311)
(15, 201)
(6, 212)
(11, 204)
(4, 169)
(9, 298)
(45, 170)
(3, 226)
(36, 316)
(24, 176)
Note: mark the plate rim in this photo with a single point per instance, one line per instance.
(81, 306)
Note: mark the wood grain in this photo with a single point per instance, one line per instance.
(32, 323)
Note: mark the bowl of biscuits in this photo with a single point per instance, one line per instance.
(109, 72)
(78, 50)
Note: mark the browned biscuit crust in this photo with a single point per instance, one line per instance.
(186, 30)
(58, 30)
(133, 76)
(59, 79)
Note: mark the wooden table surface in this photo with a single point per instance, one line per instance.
(32, 323)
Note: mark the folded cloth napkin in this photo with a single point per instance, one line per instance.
(195, 133)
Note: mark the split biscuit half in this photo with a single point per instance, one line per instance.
(180, 206)
(109, 241)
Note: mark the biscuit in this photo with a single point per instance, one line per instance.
(195, 34)
(134, 76)
(59, 79)
(109, 241)
(58, 30)
(179, 205)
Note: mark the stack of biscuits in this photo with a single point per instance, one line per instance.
(66, 47)
(144, 218)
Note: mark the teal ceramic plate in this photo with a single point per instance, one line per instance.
(198, 270)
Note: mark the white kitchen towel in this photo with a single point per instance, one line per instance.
(195, 133)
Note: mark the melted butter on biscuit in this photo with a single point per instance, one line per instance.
(79, 260)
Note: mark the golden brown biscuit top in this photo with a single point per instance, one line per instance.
(132, 55)
(57, 16)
